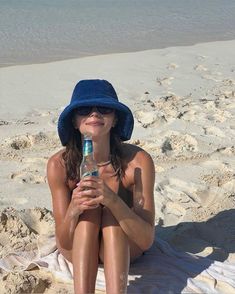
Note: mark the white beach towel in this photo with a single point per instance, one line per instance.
(160, 270)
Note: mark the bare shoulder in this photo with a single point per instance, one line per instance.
(55, 166)
(139, 165)
(56, 159)
(136, 156)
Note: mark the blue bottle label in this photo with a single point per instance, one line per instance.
(91, 173)
(87, 148)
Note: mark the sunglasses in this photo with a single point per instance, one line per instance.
(86, 110)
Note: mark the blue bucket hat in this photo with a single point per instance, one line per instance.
(95, 93)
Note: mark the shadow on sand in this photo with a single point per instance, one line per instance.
(159, 274)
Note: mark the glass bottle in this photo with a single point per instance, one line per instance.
(88, 165)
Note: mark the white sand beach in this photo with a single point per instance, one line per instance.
(183, 100)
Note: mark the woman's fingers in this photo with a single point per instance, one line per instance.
(93, 191)
(89, 182)
(95, 201)
(86, 206)
(89, 193)
(83, 191)
(81, 204)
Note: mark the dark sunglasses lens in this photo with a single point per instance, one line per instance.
(104, 110)
(85, 110)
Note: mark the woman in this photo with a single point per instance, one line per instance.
(109, 218)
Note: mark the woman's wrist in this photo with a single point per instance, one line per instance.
(113, 199)
(72, 215)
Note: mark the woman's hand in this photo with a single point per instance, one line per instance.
(96, 192)
(81, 201)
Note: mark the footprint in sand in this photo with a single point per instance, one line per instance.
(172, 66)
(228, 82)
(28, 177)
(171, 107)
(214, 131)
(19, 142)
(179, 143)
(148, 118)
(25, 122)
(226, 150)
(219, 116)
(201, 57)
(165, 81)
(4, 122)
(229, 94)
(45, 140)
(200, 67)
(189, 115)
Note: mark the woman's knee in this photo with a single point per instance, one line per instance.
(88, 226)
(111, 229)
(108, 219)
(91, 217)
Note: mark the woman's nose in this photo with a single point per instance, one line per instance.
(95, 111)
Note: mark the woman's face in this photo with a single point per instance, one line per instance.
(98, 122)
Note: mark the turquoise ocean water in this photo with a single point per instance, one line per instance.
(41, 30)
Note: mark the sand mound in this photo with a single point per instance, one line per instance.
(24, 282)
(25, 232)
(20, 229)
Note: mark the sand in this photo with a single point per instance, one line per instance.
(183, 100)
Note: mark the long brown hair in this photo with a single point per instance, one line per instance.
(72, 155)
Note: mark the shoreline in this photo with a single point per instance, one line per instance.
(20, 80)
(87, 55)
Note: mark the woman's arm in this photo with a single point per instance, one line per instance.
(67, 204)
(138, 223)
(65, 220)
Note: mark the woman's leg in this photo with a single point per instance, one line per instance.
(115, 254)
(85, 251)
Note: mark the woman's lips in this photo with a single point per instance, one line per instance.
(95, 123)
